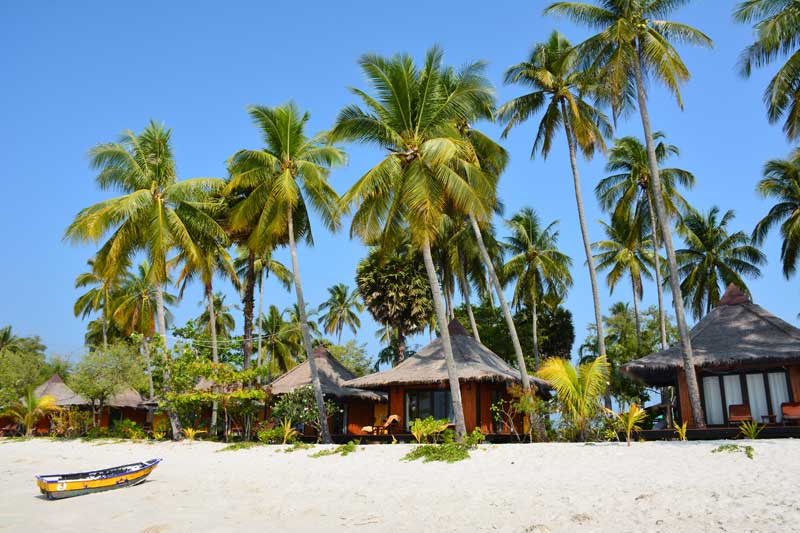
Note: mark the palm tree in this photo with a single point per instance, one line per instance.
(713, 259)
(341, 307)
(225, 323)
(283, 341)
(781, 183)
(285, 177)
(30, 409)
(627, 192)
(633, 43)
(156, 213)
(626, 251)
(561, 89)
(98, 298)
(579, 389)
(536, 265)
(777, 28)
(412, 116)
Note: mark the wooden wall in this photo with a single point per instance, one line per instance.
(360, 413)
(794, 378)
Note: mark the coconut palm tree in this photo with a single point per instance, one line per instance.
(781, 184)
(225, 322)
(283, 341)
(777, 28)
(340, 310)
(561, 90)
(579, 389)
(98, 298)
(412, 116)
(30, 409)
(634, 45)
(714, 258)
(626, 251)
(282, 179)
(627, 192)
(156, 213)
(536, 266)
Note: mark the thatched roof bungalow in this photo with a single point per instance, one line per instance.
(63, 395)
(743, 354)
(358, 405)
(419, 386)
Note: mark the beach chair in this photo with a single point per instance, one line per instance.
(383, 429)
(790, 412)
(739, 412)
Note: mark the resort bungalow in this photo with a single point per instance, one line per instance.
(359, 407)
(747, 363)
(418, 387)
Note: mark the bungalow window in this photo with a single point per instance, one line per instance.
(425, 403)
(763, 392)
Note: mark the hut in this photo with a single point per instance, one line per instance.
(63, 395)
(127, 404)
(747, 360)
(359, 407)
(418, 387)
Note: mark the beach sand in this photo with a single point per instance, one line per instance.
(656, 486)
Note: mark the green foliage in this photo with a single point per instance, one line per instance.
(680, 430)
(300, 407)
(244, 445)
(448, 453)
(70, 422)
(749, 451)
(22, 365)
(298, 446)
(750, 429)
(282, 434)
(522, 405)
(630, 420)
(192, 433)
(30, 409)
(353, 356)
(428, 430)
(344, 449)
(341, 310)
(128, 429)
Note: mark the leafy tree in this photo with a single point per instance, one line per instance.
(714, 258)
(340, 310)
(299, 407)
(632, 46)
(412, 117)
(30, 409)
(562, 90)
(396, 293)
(22, 365)
(537, 266)
(777, 28)
(99, 375)
(781, 183)
(353, 356)
(627, 192)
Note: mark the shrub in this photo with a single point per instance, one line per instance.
(270, 435)
(128, 429)
(300, 407)
(448, 453)
(344, 449)
(630, 420)
(428, 430)
(750, 429)
(70, 422)
(680, 430)
(192, 433)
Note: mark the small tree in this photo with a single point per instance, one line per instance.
(30, 409)
(300, 407)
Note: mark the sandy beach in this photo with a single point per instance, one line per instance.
(657, 486)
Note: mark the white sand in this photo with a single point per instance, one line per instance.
(544, 487)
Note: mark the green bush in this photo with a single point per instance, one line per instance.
(344, 449)
(128, 429)
(448, 453)
(749, 451)
(70, 422)
(428, 430)
(270, 436)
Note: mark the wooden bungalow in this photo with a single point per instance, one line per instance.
(359, 407)
(747, 363)
(418, 387)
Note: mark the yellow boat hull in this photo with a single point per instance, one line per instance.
(68, 485)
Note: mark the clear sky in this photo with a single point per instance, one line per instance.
(77, 73)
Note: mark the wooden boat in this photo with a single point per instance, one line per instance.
(56, 486)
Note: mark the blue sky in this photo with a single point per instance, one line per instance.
(75, 74)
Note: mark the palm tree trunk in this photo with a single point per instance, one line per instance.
(301, 309)
(448, 305)
(212, 324)
(249, 289)
(573, 160)
(174, 421)
(661, 211)
(462, 280)
(444, 333)
(523, 370)
(637, 318)
(662, 318)
(401, 347)
(535, 328)
(259, 319)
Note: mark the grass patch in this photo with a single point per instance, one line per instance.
(298, 446)
(449, 453)
(239, 446)
(749, 451)
(344, 449)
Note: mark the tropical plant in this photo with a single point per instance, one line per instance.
(299, 406)
(340, 310)
(99, 297)
(680, 430)
(536, 265)
(282, 179)
(396, 293)
(288, 433)
(191, 434)
(412, 116)
(579, 389)
(750, 429)
(781, 183)
(714, 258)
(627, 192)
(777, 29)
(634, 45)
(630, 420)
(427, 430)
(625, 251)
(282, 342)
(30, 409)
(562, 91)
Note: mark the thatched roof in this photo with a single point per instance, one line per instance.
(64, 396)
(474, 362)
(332, 376)
(127, 397)
(736, 332)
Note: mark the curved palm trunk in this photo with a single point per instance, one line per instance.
(174, 421)
(573, 160)
(535, 331)
(637, 317)
(661, 211)
(301, 309)
(662, 318)
(260, 319)
(452, 372)
(512, 330)
(464, 286)
(249, 289)
(212, 317)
